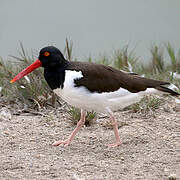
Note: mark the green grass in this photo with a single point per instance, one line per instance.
(75, 115)
(35, 94)
(146, 104)
(124, 59)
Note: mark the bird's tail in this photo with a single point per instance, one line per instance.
(158, 85)
(168, 90)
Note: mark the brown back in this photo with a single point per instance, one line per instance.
(101, 78)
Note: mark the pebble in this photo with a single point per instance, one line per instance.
(5, 114)
(167, 108)
(122, 158)
(172, 177)
(177, 108)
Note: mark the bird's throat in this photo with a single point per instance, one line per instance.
(55, 77)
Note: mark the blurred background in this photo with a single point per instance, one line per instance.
(95, 27)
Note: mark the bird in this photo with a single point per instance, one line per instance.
(90, 86)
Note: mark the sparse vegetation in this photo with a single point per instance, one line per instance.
(125, 60)
(32, 90)
(147, 103)
(175, 59)
(75, 115)
(35, 93)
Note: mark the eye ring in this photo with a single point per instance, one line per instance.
(46, 53)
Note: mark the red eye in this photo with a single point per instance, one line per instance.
(46, 53)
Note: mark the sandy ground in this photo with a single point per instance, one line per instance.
(150, 147)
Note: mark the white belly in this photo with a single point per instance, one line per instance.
(82, 98)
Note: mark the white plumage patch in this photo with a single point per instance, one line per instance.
(81, 97)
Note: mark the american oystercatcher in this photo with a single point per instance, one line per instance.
(91, 86)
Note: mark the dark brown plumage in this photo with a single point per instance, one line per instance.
(100, 78)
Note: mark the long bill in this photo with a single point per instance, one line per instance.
(26, 71)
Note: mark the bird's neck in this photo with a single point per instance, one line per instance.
(55, 76)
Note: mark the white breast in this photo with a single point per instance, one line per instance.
(81, 97)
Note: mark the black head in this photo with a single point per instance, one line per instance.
(54, 65)
(51, 57)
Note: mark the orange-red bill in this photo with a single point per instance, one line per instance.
(26, 71)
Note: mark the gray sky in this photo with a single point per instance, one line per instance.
(95, 26)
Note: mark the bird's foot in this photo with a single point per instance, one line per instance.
(114, 145)
(65, 142)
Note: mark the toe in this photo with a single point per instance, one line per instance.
(114, 145)
(57, 143)
(65, 143)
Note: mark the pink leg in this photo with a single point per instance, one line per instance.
(115, 128)
(78, 127)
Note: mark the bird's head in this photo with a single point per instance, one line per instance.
(49, 57)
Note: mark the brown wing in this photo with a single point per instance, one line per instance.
(101, 78)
